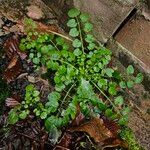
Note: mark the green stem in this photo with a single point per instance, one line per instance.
(54, 45)
(79, 26)
(65, 63)
(67, 94)
(107, 98)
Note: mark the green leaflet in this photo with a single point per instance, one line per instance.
(84, 17)
(130, 69)
(72, 23)
(73, 12)
(74, 32)
(52, 103)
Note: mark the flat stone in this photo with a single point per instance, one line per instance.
(135, 36)
(106, 15)
(35, 12)
(31, 79)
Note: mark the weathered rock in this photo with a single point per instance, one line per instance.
(106, 15)
(1, 22)
(135, 36)
(35, 12)
(146, 13)
(31, 79)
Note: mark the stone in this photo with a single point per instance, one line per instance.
(146, 13)
(1, 23)
(106, 15)
(31, 79)
(135, 36)
(34, 12)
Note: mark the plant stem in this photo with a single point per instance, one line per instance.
(63, 36)
(54, 45)
(67, 94)
(79, 26)
(65, 63)
(107, 98)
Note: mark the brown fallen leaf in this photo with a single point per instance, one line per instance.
(68, 138)
(111, 125)
(95, 128)
(11, 102)
(52, 29)
(13, 69)
(11, 47)
(65, 142)
(102, 130)
(13, 62)
(78, 119)
(14, 55)
(42, 28)
(113, 142)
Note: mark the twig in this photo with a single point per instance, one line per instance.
(63, 36)
(67, 94)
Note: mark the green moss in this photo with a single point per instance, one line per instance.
(128, 135)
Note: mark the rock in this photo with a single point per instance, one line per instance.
(31, 79)
(1, 23)
(106, 15)
(148, 3)
(146, 13)
(34, 12)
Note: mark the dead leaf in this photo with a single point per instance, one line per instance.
(13, 62)
(111, 125)
(114, 142)
(65, 142)
(103, 131)
(13, 69)
(11, 47)
(78, 119)
(11, 102)
(31, 79)
(42, 28)
(95, 128)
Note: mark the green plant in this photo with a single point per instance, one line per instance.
(84, 75)
(31, 103)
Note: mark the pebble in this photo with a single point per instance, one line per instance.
(34, 12)
(31, 79)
